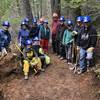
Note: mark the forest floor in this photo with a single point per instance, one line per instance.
(56, 83)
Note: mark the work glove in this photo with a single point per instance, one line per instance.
(4, 51)
(33, 63)
(90, 49)
(41, 51)
(78, 48)
(89, 55)
(19, 44)
(47, 59)
(75, 33)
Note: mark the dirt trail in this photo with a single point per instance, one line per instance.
(56, 83)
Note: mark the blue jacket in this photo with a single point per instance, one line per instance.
(23, 35)
(5, 38)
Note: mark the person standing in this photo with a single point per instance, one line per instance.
(45, 36)
(86, 44)
(76, 32)
(5, 38)
(68, 41)
(23, 35)
(78, 27)
(54, 29)
(34, 30)
(61, 51)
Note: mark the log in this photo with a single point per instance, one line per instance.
(7, 66)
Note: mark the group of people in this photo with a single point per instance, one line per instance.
(74, 42)
(32, 44)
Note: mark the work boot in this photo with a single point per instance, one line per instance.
(65, 60)
(76, 68)
(69, 62)
(42, 70)
(81, 71)
(71, 67)
(26, 77)
(61, 58)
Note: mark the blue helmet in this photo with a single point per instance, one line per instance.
(26, 20)
(34, 20)
(6, 23)
(69, 22)
(36, 39)
(86, 19)
(62, 18)
(79, 18)
(23, 23)
(28, 42)
(46, 21)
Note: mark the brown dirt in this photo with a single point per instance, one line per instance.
(56, 83)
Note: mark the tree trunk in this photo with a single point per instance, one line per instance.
(18, 6)
(56, 6)
(28, 10)
(40, 8)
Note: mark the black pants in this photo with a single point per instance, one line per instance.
(21, 56)
(58, 46)
(43, 61)
(54, 44)
(62, 51)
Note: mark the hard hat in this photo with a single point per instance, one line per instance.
(86, 19)
(79, 18)
(46, 21)
(55, 15)
(6, 23)
(62, 18)
(28, 42)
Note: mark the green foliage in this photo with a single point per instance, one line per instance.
(72, 3)
(4, 6)
(12, 21)
(97, 73)
(5, 12)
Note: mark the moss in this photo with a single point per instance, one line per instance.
(97, 71)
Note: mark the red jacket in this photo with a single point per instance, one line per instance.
(54, 27)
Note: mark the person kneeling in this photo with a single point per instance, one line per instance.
(30, 59)
(45, 59)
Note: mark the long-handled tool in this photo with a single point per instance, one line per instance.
(19, 49)
(23, 54)
(77, 61)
